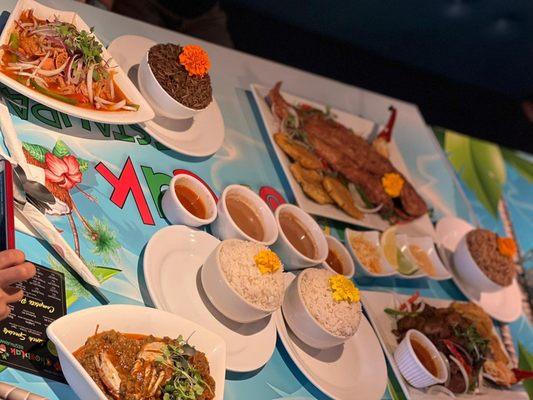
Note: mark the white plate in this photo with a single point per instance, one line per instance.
(144, 113)
(69, 333)
(355, 370)
(172, 262)
(362, 127)
(374, 304)
(504, 305)
(200, 136)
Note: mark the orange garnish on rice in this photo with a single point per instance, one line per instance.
(343, 289)
(507, 246)
(267, 261)
(195, 60)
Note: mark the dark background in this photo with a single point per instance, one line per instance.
(468, 65)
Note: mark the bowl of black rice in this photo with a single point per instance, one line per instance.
(171, 89)
(479, 263)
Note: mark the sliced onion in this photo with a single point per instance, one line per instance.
(105, 102)
(69, 68)
(38, 67)
(357, 200)
(463, 372)
(90, 83)
(129, 108)
(117, 106)
(53, 72)
(111, 87)
(440, 389)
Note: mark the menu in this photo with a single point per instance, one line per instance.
(23, 341)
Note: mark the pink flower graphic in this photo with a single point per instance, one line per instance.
(63, 171)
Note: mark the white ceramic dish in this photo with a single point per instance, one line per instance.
(225, 228)
(174, 210)
(374, 303)
(504, 305)
(164, 104)
(469, 272)
(70, 332)
(357, 367)
(362, 269)
(291, 257)
(302, 323)
(410, 366)
(144, 113)
(223, 296)
(362, 127)
(427, 245)
(200, 136)
(172, 261)
(348, 267)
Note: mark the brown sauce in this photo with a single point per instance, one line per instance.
(246, 218)
(298, 235)
(191, 201)
(334, 262)
(423, 354)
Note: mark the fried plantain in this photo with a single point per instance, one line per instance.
(311, 182)
(297, 151)
(341, 196)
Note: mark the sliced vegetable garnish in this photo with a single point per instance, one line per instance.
(55, 95)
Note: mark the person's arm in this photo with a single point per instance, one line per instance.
(13, 268)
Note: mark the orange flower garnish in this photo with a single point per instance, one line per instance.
(506, 246)
(195, 60)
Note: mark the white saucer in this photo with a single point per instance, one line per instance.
(356, 369)
(172, 262)
(504, 305)
(200, 136)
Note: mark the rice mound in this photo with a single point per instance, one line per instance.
(339, 318)
(262, 290)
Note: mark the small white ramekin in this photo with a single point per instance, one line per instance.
(225, 228)
(410, 366)
(348, 267)
(291, 257)
(176, 213)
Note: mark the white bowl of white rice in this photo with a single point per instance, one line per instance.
(234, 284)
(312, 313)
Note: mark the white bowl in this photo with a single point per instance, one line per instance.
(302, 323)
(163, 103)
(372, 237)
(223, 296)
(176, 213)
(348, 267)
(225, 228)
(292, 258)
(410, 366)
(468, 270)
(70, 332)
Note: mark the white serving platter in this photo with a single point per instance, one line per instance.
(144, 113)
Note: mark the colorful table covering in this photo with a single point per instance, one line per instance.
(115, 210)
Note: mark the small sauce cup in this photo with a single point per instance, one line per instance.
(176, 212)
(348, 267)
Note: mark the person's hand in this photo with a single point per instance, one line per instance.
(13, 269)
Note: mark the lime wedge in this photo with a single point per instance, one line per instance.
(405, 267)
(388, 245)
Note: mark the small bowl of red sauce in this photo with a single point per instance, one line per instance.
(187, 201)
(338, 260)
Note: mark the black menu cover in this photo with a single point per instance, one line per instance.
(23, 341)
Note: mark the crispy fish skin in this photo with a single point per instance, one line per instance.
(311, 183)
(297, 152)
(342, 196)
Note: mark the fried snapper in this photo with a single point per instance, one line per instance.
(312, 134)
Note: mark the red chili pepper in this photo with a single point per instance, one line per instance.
(520, 374)
(457, 354)
(410, 300)
(386, 133)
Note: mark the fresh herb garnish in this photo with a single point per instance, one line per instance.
(473, 341)
(186, 381)
(398, 313)
(80, 42)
